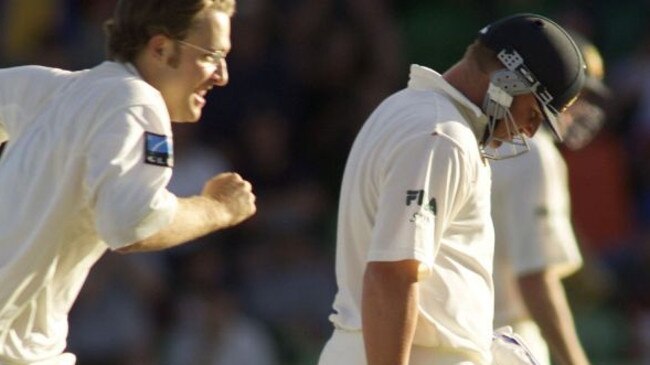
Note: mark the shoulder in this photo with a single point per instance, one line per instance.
(421, 113)
(121, 84)
(33, 80)
(110, 100)
(437, 109)
(455, 129)
(33, 72)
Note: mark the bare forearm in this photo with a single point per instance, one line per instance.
(547, 303)
(226, 200)
(389, 308)
(195, 217)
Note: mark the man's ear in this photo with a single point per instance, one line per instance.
(159, 47)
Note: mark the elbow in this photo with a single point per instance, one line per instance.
(127, 249)
(539, 286)
(138, 246)
(537, 279)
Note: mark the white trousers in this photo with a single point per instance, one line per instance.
(347, 348)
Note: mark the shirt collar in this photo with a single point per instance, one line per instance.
(131, 69)
(424, 78)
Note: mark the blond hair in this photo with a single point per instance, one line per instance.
(482, 57)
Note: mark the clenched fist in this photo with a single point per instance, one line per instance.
(234, 193)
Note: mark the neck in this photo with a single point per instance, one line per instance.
(473, 84)
(142, 68)
(468, 81)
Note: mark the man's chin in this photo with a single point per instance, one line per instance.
(189, 118)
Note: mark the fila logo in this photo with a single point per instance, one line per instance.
(412, 195)
(418, 196)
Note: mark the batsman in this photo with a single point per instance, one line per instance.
(415, 240)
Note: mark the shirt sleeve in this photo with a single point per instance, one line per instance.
(127, 192)
(4, 135)
(421, 188)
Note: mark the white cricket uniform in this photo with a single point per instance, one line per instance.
(533, 231)
(416, 187)
(74, 182)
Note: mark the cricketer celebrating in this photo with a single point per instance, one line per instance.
(89, 156)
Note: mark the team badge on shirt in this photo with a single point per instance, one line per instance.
(158, 149)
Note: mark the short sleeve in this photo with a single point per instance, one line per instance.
(422, 184)
(126, 191)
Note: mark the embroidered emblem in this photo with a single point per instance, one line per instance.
(158, 150)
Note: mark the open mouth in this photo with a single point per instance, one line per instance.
(200, 97)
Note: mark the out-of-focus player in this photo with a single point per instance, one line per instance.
(535, 246)
(89, 156)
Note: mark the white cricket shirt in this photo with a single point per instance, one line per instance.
(74, 183)
(416, 187)
(533, 230)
